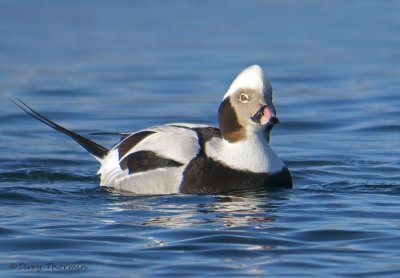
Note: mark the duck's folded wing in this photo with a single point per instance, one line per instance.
(157, 155)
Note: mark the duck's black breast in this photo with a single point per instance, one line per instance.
(204, 175)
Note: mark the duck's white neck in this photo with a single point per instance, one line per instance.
(252, 154)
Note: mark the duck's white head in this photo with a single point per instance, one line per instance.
(247, 106)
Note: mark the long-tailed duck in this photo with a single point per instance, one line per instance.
(193, 158)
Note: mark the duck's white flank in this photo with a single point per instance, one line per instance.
(170, 142)
(157, 181)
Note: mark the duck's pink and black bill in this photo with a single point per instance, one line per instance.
(265, 116)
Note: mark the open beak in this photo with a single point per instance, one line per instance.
(264, 116)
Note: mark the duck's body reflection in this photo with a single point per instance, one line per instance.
(256, 208)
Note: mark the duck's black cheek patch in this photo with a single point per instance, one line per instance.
(228, 122)
(143, 161)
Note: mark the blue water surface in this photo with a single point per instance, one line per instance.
(97, 66)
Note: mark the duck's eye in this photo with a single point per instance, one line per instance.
(244, 98)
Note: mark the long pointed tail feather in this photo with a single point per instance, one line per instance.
(92, 147)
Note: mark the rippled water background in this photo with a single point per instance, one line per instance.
(122, 66)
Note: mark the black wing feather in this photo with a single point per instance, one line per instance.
(92, 147)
